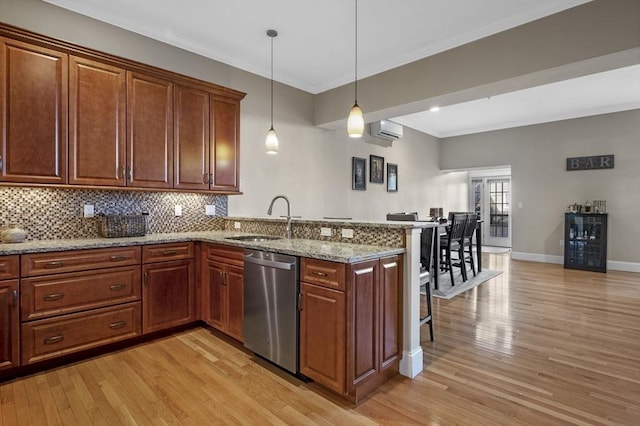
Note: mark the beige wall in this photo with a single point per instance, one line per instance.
(537, 155)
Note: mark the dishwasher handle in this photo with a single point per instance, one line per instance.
(248, 258)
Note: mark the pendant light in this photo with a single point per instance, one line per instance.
(271, 142)
(355, 121)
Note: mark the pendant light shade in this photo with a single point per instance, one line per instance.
(271, 142)
(355, 121)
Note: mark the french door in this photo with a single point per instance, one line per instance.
(491, 200)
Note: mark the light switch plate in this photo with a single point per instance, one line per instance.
(88, 210)
(236, 225)
(347, 233)
(178, 210)
(325, 232)
(210, 210)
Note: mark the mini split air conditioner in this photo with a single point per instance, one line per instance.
(385, 129)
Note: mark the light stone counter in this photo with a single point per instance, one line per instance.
(326, 250)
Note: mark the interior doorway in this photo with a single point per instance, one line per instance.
(490, 196)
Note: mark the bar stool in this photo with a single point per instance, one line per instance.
(452, 243)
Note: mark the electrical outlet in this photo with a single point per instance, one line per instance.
(178, 210)
(88, 210)
(325, 232)
(236, 225)
(347, 233)
(210, 210)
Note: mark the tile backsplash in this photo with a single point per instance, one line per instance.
(46, 213)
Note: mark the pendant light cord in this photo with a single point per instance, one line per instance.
(356, 67)
(272, 82)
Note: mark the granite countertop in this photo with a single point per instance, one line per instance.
(333, 251)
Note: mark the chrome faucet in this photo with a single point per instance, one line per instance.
(284, 197)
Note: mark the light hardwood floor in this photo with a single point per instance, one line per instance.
(537, 345)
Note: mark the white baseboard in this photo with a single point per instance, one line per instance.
(411, 363)
(614, 265)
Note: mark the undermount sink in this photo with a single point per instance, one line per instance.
(254, 238)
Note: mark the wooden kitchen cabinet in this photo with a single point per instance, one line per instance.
(225, 148)
(223, 289)
(149, 131)
(78, 299)
(168, 286)
(322, 336)
(350, 326)
(191, 135)
(9, 313)
(97, 123)
(33, 115)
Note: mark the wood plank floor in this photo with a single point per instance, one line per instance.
(537, 345)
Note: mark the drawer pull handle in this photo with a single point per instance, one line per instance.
(320, 274)
(117, 286)
(54, 264)
(119, 257)
(15, 298)
(169, 252)
(53, 296)
(118, 324)
(53, 339)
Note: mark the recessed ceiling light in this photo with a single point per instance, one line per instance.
(435, 108)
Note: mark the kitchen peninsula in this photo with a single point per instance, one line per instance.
(374, 259)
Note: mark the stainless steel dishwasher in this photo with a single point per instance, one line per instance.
(271, 319)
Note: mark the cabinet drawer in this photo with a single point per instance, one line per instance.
(225, 254)
(78, 260)
(65, 293)
(62, 335)
(323, 273)
(8, 267)
(163, 252)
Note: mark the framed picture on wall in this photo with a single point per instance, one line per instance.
(392, 177)
(359, 174)
(376, 169)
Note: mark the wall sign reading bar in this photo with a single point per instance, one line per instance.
(589, 163)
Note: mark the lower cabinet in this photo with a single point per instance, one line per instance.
(48, 338)
(350, 324)
(223, 289)
(9, 324)
(76, 300)
(168, 286)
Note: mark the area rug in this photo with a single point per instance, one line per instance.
(447, 291)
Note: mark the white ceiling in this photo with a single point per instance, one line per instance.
(314, 50)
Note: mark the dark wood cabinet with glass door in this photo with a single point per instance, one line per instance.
(585, 241)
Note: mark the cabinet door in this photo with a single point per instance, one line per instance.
(33, 98)
(235, 301)
(9, 325)
(390, 310)
(363, 321)
(226, 144)
(214, 294)
(167, 295)
(149, 131)
(97, 99)
(191, 165)
(322, 336)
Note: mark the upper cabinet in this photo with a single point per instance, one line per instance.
(149, 131)
(130, 125)
(33, 120)
(225, 152)
(192, 135)
(97, 101)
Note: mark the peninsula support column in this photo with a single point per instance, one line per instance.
(411, 363)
